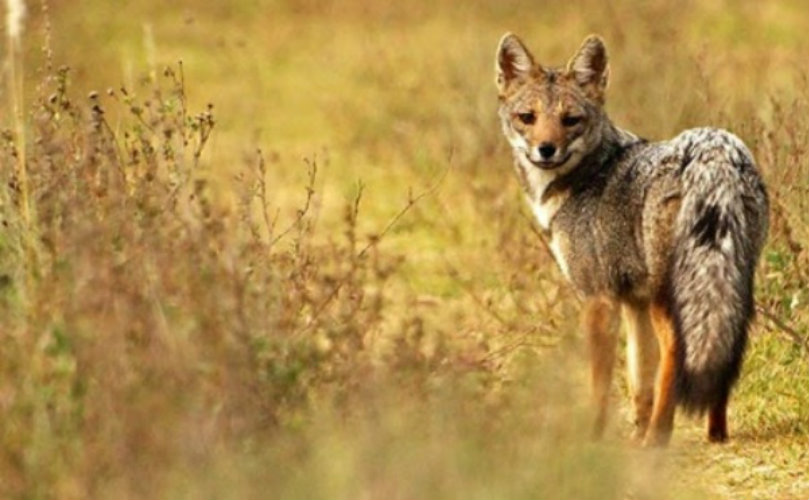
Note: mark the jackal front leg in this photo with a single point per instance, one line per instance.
(599, 318)
(641, 363)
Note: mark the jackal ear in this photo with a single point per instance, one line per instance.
(589, 67)
(513, 60)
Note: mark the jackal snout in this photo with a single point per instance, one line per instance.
(547, 139)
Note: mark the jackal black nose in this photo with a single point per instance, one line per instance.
(546, 150)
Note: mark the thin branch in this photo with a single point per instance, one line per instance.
(411, 202)
(787, 331)
(541, 237)
(310, 193)
(514, 346)
(486, 307)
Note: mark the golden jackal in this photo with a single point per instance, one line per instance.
(668, 233)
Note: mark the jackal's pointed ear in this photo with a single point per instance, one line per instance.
(513, 60)
(589, 67)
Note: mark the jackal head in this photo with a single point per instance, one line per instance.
(551, 116)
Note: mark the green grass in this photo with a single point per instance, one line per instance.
(409, 336)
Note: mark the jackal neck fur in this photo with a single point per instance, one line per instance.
(547, 190)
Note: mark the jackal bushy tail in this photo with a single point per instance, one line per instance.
(711, 278)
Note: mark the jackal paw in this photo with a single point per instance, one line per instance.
(656, 439)
(638, 433)
(717, 435)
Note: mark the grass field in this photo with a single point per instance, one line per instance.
(269, 248)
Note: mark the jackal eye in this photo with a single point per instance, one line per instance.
(571, 120)
(527, 118)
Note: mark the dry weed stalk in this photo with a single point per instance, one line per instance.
(15, 14)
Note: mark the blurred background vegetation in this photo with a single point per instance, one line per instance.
(274, 249)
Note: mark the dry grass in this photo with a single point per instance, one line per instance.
(325, 284)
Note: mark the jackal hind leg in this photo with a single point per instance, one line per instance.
(641, 363)
(662, 420)
(600, 324)
(717, 421)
